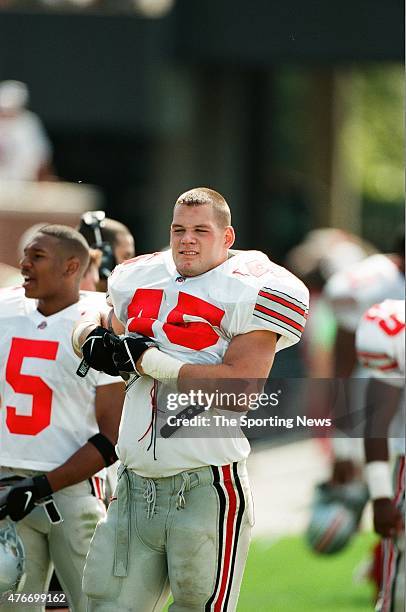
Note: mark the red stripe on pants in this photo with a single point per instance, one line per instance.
(97, 487)
(389, 567)
(389, 546)
(229, 535)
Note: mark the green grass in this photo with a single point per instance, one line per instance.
(285, 576)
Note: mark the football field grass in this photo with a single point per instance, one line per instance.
(284, 576)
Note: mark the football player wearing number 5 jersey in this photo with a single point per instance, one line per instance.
(57, 431)
(183, 512)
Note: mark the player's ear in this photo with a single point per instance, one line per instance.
(72, 266)
(229, 237)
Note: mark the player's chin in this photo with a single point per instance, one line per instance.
(30, 290)
(184, 267)
(190, 269)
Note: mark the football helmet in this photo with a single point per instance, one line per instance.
(330, 528)
(335, 516)
(12, 559)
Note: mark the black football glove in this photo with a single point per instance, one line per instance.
(21, 498)
(129, 351)
(388, 519)
(98, 351)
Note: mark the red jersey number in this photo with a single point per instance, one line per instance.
(144, 310)
(40, 417)
(389, 324)
(198, 335)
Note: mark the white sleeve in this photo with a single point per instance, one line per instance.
(343, 301)
(352, 291)
(117, 294)
(278, 307)
(13, 302)
(383, 354)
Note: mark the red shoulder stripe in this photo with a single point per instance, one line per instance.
(276, 315)
(286, 303)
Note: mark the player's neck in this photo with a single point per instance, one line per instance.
(52, 305)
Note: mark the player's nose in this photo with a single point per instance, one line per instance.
(25, 262)
(188, 238)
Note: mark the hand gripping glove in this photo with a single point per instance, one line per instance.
(130, 349)
(22, 497)
(98, 351)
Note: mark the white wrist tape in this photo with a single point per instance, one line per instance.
(379, 480)
(78, 335)
(160, 366)
(346, 449)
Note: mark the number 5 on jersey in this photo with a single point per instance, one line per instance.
(40, 417)
(390, 324)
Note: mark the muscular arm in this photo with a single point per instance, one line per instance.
(245, 367)
(382, 403)
(87, 460)
(248, 359)
(248, 356)
(344, 469)
(345, 356)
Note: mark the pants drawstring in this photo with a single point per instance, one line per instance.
(150, 497)
(180, 500)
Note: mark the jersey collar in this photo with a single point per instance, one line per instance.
(170, 265)
(37, 316)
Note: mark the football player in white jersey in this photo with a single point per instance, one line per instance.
(380, 343)
(183, 511)
(57, 431)
(350, 293)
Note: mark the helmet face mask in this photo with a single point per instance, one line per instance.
(93, 222)
(12, 559)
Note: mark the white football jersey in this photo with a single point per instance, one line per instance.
(352, 291)
(380, 341)
(47, 412)
(194, 319)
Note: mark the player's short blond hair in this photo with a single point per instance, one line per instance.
(201, 196)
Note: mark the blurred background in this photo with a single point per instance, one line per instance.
(292, 110)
